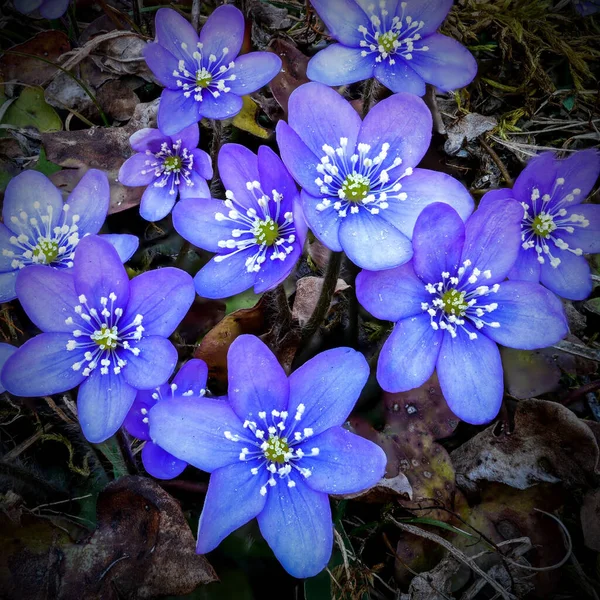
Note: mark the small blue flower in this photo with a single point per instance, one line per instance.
(190, 383)
(6, 350)
(49, 9)
(39, 228)
(395, 42)
(204, 76)
(100, 331)
(171, 167)
(362, 192)
(557, 229)
(258, 232)
(275, 449)
(452, 307)
(587, 7)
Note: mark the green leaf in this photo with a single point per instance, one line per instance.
(31, 110)
(569, 103)
(111, 450)
(246, 119)
(43, 165)
(246, 299)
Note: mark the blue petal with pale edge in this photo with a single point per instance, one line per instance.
(253, 71)
(325, 224)
(6, 350)
(296, 523)
(42, 366)
(526, 267)
(233, 498)
(257, 382)
(328, 386)
(161, 464)
(194, 220)
(340, 65)
(438, 241)
(53, 9)
(163, 297)
(372, 242)
(404, 122)
(175, 34)
(175, 111)
(192, 377)
(6, 261)
(124, 243)
(530, 316)
(157, 202)
(431, 12)
(130, 173)
(400, 77)
(408, 356)
(154, 364)
(237, 166)
(343, 18)
(7, 286)
(134, 421)
(493, 238)
(195, 431)
(585, 238)
(223, 107)
(319, 115)
(393, 294)
(226, 278)
(423, 188)
(23, 193)
(580, 171)
(202, 163)
(447, 64)
(539, 173)
(148, 138)
(162, 63)
(197, 188)
(571, 279)
(471, 377)
(274, 176)
(298, 158)
(346, 463)
(98, 272)
(103, 402)
(48, 297)
(274, 272)
(89, 200)
(223, 29)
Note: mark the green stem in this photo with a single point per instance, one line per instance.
(322, 308)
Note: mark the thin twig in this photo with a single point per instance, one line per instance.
(498, 161)
(196, 14)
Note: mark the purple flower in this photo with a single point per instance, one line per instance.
(362, 193)
(275, 449)
(395, 42)
(6, 350)
(49, 9)
(204, 76)
(258, 232)
(452, 306)
(587, 7)
(171, 167)
(556, 229)
(99, 330)
(39, 228)
(190, 383)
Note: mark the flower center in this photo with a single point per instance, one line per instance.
(203, 78)
(172, 163)
(356, 187)
(106, 337)
(454, 302)
(277, 449)
(46, 251)
(543, 225)
(387, 40)
(266, 232)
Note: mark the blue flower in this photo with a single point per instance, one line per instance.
(258, 232)
(99, 330)
(557, 229)
(49, 9)
(275, 449)
(6, 350)
(171, 167)
(587, 7)
(361, 191)
(452, 306)
(190, 383)
(39, 228)
(204, 76)
(395, 42)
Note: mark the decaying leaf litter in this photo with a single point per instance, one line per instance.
(508, 510)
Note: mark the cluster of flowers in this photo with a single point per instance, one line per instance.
(456, 282)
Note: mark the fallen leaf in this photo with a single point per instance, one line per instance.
(31, 110)
(117, 100)
(292, 74)
(308, 291)
(246, 119)
(468, 128)
(590, 519)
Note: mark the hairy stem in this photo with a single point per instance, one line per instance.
(283, 308)
(218, 139)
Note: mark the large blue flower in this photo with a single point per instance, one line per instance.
(204, 76)
(49, 9)
(257, 232)
(99, 330)
(587, 7)
(171, 167)
(275, 449)
(395, 42)
(557, 229)
(361, 190)
(40, 229)
(6, 350)
(452, 306)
